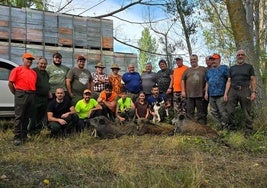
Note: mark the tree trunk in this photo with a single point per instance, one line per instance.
(244, 40)
(185, 29)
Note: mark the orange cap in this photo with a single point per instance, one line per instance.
(27, 56)
(216, 56)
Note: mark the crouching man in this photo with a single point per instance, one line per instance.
(158, 104)
(125, 109)
(87, 108)
(61, 114)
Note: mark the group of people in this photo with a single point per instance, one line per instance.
(68, 97)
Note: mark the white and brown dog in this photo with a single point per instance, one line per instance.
(156, 107)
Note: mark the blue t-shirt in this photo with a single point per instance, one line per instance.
(152, 100)
(132, 82)
(217, 78)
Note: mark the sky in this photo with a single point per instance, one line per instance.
(124, 31)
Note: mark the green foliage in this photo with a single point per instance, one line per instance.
(38, 4)
(147, 46)
(217, 30)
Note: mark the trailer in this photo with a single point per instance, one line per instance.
(43, 33)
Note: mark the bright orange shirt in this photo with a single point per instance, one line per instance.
(177, 78)
(23, 78)
(115, 81)
(103, 96)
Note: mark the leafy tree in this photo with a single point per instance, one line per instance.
(184, 11)
(38, 4)
(147, 47)
(217, 30)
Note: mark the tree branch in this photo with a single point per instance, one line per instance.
(140, 23)
(216, 11)
(69, 2)
(130, 45)
(119, 10)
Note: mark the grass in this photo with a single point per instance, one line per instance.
(134, 161)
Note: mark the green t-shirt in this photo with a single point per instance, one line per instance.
(82, 108)
(124, 104)
(57, 76)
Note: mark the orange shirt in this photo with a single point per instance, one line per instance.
(103, 96)
(23, 78)
(177, 78)
(115, 81)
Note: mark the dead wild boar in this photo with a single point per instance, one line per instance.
(104, 128)
(185, 126)
(146, 127)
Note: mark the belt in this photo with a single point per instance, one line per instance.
(240, 87)
(26, 91)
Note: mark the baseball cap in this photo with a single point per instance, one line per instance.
(87, 91)
(81, 58)
(179, 58)
(216, 56)
(27, 56)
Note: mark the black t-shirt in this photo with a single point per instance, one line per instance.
(59, 108)
(240, 74)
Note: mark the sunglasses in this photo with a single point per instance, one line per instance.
(240, 55)
(88, 94)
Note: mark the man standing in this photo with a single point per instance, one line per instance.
(179, 102)
(241, 87)
(209, 61)
(216, 79)
(100, 79)
(115, 79)
(132, 81)
(22, 83)
(193, 87)
(148, 79)
(165, 79)
(41, 97)
(78, 79)
(57, 75)
(61, 114)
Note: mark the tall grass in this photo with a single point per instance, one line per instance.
(132, 161)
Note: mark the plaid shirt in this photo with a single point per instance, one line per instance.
(99, 86)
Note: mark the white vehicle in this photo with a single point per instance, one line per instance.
(6, 97)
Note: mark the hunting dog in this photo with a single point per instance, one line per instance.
(156, 108)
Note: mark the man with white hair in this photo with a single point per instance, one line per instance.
(241, 87)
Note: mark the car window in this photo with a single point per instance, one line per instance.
(4, 73)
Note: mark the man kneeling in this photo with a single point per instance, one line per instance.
(87, 108)
(61, 114)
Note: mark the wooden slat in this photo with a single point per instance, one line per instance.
(107, 42)
(18, 34)
(4, 23)
(34, 35)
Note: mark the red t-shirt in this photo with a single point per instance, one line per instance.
(23, 78)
